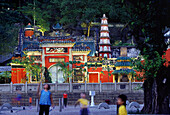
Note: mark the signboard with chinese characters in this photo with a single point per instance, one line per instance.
(56, 50)
(56, 59)
(78, 58)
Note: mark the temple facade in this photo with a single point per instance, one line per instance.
(49, 50)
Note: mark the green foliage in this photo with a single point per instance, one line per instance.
(102, 72)
(79, 11)
(147, 19)
(32, 69)
(138, 87)
(64, 67)
(120, 43)
(68, 71)
(9, 26)
(149, 66)
(6, 75)
(8, 37)
(72, 12)
(45, 13)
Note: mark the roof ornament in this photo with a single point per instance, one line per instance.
(57, 26)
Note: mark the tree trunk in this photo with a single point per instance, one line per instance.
(156, 94)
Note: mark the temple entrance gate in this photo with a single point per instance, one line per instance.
(56, 75)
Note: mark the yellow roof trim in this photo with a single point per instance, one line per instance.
(93, 63)
(81, 52)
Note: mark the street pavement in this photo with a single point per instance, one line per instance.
(70, 110)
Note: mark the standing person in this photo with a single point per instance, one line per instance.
(121, 103)
(46, 100)
(84, 103)
(65, 98)
(30, 99)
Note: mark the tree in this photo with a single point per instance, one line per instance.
(11, 21)
(147, 20)
(71, 14)
(32, 69)
(42, 13)
(6, 75)
(67, 71)
(74, 13)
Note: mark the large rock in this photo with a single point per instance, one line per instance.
(103, 105)
(133, 107)
(134, 104)
(7, 106)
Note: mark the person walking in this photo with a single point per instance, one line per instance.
(19, 97)
(46, 99)
(84, 103)
(65, 96)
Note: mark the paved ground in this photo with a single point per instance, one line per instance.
(67, 111)
(70, 110)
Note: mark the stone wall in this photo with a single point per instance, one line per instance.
(128, 87)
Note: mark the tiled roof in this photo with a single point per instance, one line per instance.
(123, 58)
(57, 26)
(31, 47)
(123, 71)
(123, 64)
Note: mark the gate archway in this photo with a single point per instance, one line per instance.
(56, 75)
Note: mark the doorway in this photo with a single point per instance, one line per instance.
(56, 75)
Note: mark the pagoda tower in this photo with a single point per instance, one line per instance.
(104, 44)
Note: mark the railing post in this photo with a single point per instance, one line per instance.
(85, 86)
(70, 85)
(11, 87)
(41, 86)
(130, 85)
(56, 87)
(60, 105)
(115, 85)
(100, 87)
(37, 105)
(26, 87)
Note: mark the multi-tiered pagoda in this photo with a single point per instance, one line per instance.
(104, 44)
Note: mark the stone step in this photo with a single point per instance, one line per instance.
(72, 97)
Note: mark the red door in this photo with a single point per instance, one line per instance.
(93, 78)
